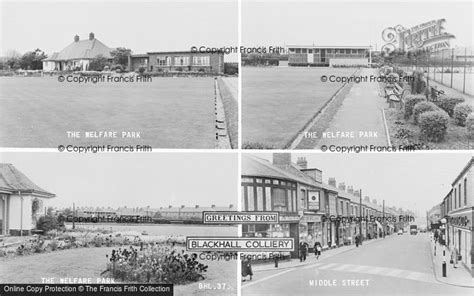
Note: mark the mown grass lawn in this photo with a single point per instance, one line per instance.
(278, 102)
(168, 112)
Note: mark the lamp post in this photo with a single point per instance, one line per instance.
(443, 266)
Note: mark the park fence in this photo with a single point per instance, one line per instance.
(450, 67)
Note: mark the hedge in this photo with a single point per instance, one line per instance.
(470, 126)
(461, 111)
(410, 102)
(434, 125)
(448, 104)
(421, 108)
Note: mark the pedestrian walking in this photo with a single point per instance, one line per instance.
(246, 268)
(317, 249)
(357, 241)
(303, 248)
(454, 256)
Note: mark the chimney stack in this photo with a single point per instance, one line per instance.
(350, 190)
(170, 207)
(281, 158)
(357, 193)
(342, 186)
(213, 206)
(91, 36)
(182, 206)
(332, 181)
(367, 199)
(302, 162)
(76, 38)
(231, 206)
(374, 201)
(196, 206)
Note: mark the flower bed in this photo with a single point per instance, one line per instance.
(155, 263)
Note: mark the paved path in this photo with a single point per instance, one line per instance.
(359, 121)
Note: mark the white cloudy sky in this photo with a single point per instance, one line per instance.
(415, 181)
(160, 25)
(134, 180)
(353, 23)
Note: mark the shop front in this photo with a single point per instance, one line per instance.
(311, 229)
(461, 237)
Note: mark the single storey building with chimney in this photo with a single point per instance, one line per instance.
(22, 202)
(77, 55)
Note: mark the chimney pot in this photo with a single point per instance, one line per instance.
(170, 207)
(332, 181)
(182, 206)
(91, 36)
(231, 206)
(342, 186)
(213, 206)
(196, 206)
(76, 38)
(302, 162)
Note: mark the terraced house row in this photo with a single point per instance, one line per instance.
(309, 209)
(453, 217)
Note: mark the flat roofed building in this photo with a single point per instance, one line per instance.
(178, 61)
(333, 56)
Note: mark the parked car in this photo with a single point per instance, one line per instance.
(400, 232)
(413, 229)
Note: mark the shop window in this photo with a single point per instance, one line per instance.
(258, 180)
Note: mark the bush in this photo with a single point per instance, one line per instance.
(461, 112)
(141, 70)
(410, 102)
(448, 104)
(155, 264)
(434, 125)
(117, 68)
(421, 108)
(47, 223)
(470, 126)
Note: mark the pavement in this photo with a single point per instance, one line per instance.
(396, 265)
(359, 120)
(458, 276)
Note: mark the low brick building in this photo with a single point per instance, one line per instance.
(178, 61)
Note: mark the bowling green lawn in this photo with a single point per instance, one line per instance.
(167, 112)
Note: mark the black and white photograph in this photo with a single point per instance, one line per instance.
(119, 73)
(368, 224)
(331, 75)
(116, 218)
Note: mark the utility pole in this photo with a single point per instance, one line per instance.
(383, 217)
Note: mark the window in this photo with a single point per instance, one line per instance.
(260, 199)
(201, 61)
(455, 199)
(298, 50)
(459, 194)
(303, 50)
(310, 51)
(181, 61)
(163, 61)
(279, 199)
(250, 199)
(465, 191)
(268, 198)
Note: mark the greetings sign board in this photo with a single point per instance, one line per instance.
(430, 35)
